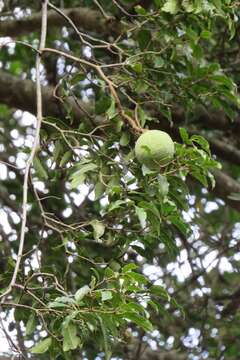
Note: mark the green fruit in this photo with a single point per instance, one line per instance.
(154, 148)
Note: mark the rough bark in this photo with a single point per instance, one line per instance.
(20, 94)
(225, 151)
(226, 185)
(84, 18)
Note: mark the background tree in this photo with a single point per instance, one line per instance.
(102, 257)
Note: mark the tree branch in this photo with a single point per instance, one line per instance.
(18, 93)
(33, 151)
(232, 307)
(85, 18)
(225, 151)
(226, 185)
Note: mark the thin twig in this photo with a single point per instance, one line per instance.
(14, 347)
(21, 43)
(33, 151)
(102, 10)
(81, 35)
(126, 118)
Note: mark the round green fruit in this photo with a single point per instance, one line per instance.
(154, 148)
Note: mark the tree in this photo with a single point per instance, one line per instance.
(102, 256)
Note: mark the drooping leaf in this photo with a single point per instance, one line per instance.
(42, 346)
(138, 320)
(40, 170)
(98, 229)
(70, 339)
(106, 295)
(80, 293)
(163, 185)
(31, 324)
(170, 6)
(142, 216)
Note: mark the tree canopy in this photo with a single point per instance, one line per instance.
(102, 254)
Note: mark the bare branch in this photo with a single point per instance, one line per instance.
(225, 151)
(226, 185)
(33, 151)
(85, 18)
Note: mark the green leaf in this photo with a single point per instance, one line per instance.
(153, 305)
(98, 228)
(70, 339)
(77, 78)
(188, 5)
(56, 304)
(129, 267)
(138, 320)
(139, 278)
(168, 241)
(202, 142)
(200, 177)
(64, 299)
(66, 157)
(158, 62)
(78, 177)
(116, 205)
(143, 116)
(78, 180)
(106, 295)
(103, 104)
(159, 291)
(142, 216)
(96, 273)
(114, 266)
(170, 6)
(125, 138)
(137, 67)
(223, 80)
(184, 136)
(132, 307)
(42, 346)
(139, 250)
(178, 184)
(111, 112)
(205, 34)
(58, 148)
(80, 293)
(151, 208)
(99, 190)
(140, 10)
(40, 170)
(31, 324)
(144, 38)
(180, 224)
(108, 353)
(163, 185)
(146, 170)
